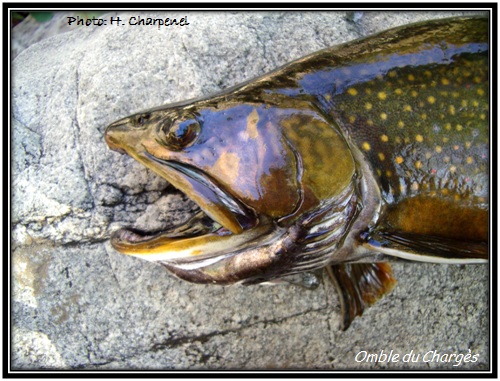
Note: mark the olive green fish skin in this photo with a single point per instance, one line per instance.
(427, 105)
(417, 107)
(388, 133)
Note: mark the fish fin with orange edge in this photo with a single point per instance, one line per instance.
(359, 285)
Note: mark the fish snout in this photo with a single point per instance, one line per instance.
(114, 136)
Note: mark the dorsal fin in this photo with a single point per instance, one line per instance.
(360, 285)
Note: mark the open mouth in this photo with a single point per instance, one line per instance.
(224, 226)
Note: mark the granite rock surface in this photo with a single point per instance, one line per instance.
(78, 304)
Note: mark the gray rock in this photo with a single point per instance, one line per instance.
(78, 304)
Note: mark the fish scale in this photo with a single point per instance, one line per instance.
(424, 131)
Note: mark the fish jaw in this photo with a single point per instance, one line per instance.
(185, 244)
(233, 226)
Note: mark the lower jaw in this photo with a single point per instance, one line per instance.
(172, 246)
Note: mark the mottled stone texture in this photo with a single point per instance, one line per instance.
(78, 304)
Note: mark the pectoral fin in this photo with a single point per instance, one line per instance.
(359, 286)
(426, 248)
(432, 229)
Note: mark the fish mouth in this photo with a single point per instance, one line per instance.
(224, 225)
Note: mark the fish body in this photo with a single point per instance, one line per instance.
(373, 149)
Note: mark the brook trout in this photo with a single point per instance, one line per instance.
(373, 149)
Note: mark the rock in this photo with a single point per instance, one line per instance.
(78, 304)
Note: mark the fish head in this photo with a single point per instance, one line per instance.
(254, 168)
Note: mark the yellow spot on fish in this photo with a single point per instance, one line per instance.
(414, 93)
(463, 103)
(438, 149)
(366, 146)
(453, 168)
(477, 79)
(369, 122)
(414, 186)
(444, 191)
(252, 120)
(480, 92)
(388, 173)
(451, 110)
(401, 124)
(459, 127)
(482, 117)
(352, 91)
(445, 139)
(328, 97)
(407, 108)
(469, 160)
(446, 159)
(423, 116)
(352, 119)
(399, 160)
(228, 164)
(392, 74)
(428, 155)
(382, 96)
(475, 103)
(418, 164)
(447, 126)
(431, 100)
(379, 172)
(398, 91)
(383, 116)
(368, 91)
(411, 77)
(419, 138)
(381, 156)
(384, 138)
(468, 144)
(368, 106)
(445, 81)
(398, 139)
(428, 73)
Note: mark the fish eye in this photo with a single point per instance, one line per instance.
(179, 134)
(140, 120)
